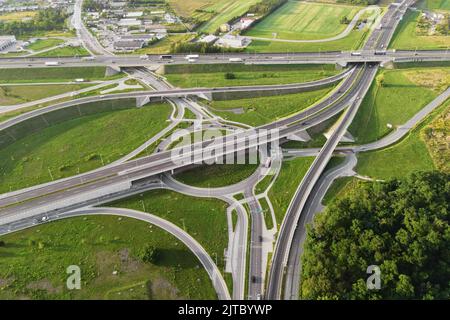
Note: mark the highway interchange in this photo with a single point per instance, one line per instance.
(77, 195)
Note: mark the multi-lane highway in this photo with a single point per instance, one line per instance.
(164, 92)
(346, 98)
(154, 61)
(378, 40)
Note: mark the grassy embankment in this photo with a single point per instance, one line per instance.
(186, 76)
(33, 262)
(258, 111)
(10, 95)
(401, 95)
(282, 191)
(203, 218)
(78, 145)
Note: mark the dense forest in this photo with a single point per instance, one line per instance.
(402, 226)
(266, 6)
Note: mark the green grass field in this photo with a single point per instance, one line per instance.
(435, 4)
(52, 74)
(406, 38)
(43, 44)
(353, 41)
(403, 94)
(214, 76)
(33, 262)
(204, 219)
(218, 175)
(282, 191)
(10, 95)
(78, 145)
(186, 8)
(258, 111)
(407, 156)
(225, 10)
(304, 21)
(67, 51)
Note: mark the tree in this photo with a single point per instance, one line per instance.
(149, 254)
(380, 80)
(344, 20)
(230, 76)
(402, 226)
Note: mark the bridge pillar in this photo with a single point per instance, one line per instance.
(206, 96)
(340, 65)
(300, 136)
(387, 64)
(111, 70)
(142, 101)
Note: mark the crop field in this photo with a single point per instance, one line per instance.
(403, 93)
(78, 145)
(353, 41)
(245, 75)
(33, 262)
(304, 21)
(224, 11)
(203, 218)
(17, 16)
(406, 37)
(16, 94)
(186, 8)
(435, 4)
(259, 111)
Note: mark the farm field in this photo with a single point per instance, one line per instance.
(33, 262)
(259, 111)
(224, 11)
(435, 4)
(403, 93)
(17, 16)
(405, 37)
(282, 191)
(68, 148)
(186, 8)
(304, 21)
(10, 95)
(353, 41)
(409, 155)
(203, 218)
(187, 76)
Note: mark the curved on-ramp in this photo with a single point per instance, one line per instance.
(312, 85)
(211, 268)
